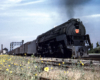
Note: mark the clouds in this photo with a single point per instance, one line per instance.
(26, 19)
(93, 16)
(31, 2)
(91, 23)
(14, 1)
(23, 13)
(5, 4)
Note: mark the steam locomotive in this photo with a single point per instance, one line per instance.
(66, 40)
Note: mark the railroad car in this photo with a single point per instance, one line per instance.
(21, 49)
(66, 40)
(24, 48)
(17, 51)
(32, 47)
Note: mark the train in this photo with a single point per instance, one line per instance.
(66, 40)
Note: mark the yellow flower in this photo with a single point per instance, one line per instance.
(82, 64)
(35, 74)
(46, 69)
(7, 69)
(28, 62)
(64, 71)
(25, 54)
(28, 67)
(10, 71)
(42, 61)
(3, 60)
(62, 62)
(59, 64)
(51, 67)
(35, 66)
(80, 61)
(9, 65)
(15, 64)
(67, 72)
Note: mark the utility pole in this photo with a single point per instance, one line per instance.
(1, 48)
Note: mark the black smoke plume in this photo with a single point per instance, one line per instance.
(70, 6)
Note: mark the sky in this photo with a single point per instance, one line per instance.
(26, 19)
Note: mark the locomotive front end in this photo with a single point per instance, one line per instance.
(77, 40)
(79, 45)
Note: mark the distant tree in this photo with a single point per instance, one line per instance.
(91, 47)
(97, 44)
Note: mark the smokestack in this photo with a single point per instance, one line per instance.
(1, 48)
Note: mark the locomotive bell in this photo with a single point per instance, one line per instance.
(78, 20)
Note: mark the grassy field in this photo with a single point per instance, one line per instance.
(26, 68)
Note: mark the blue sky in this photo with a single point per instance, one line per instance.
(26, 19)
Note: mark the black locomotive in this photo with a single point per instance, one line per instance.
(66, 40)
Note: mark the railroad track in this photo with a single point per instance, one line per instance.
(67, 63)
(70, 63)
(86, 61)
(90, 58)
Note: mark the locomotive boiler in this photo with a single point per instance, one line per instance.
(66, 40)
